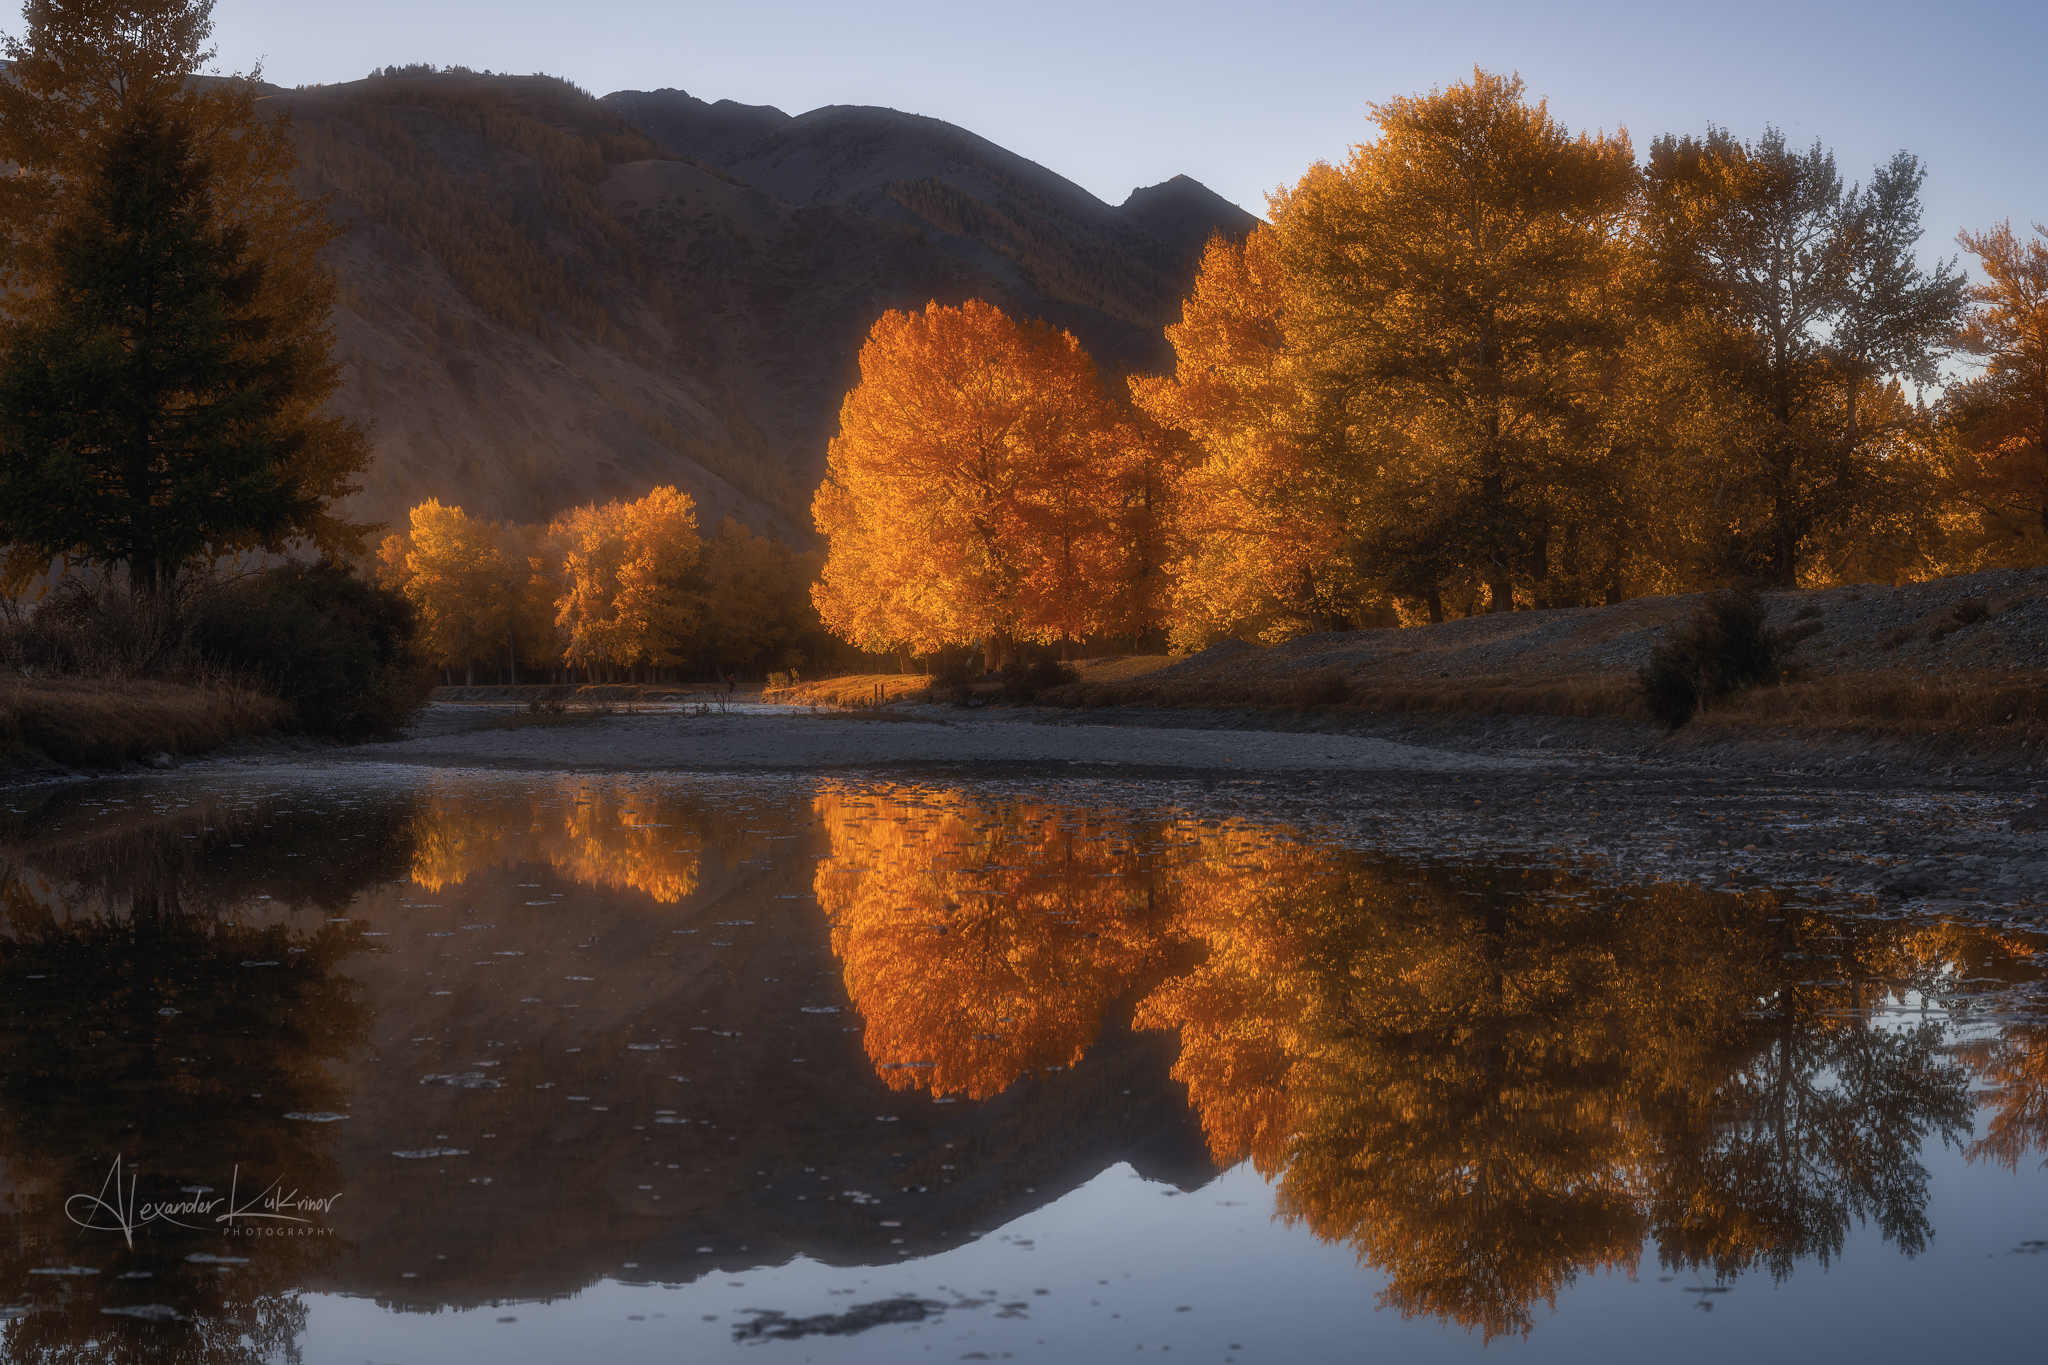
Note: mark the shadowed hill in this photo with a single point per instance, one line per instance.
(692, 127)
(548, 298)
(1113, 276)
(1184, 213)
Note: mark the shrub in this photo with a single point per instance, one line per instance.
(1023, 682)
(952, 681)
(102, 631)
(337, 648)
(1721, 649)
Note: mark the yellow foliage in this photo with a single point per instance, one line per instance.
(1254, 542)
(602, 833)
(626, 568)
(972, 489)
(1487, 1081)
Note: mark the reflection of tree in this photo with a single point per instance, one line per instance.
(2015, 1065)
(982, 944)
(598, 833)
(141, 1017)
(1489, 1090)
(1487, 1082)
(1449, 1098)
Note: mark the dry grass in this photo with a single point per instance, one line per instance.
(856, 690)
(94, 723)
(1598, 694)
(1121, 669)
(2002, 713)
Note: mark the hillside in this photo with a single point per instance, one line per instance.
(548, 298)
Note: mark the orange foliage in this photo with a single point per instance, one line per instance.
(626, 571)
(601, 833)
(1252, 541)
(1487, 1082)
(972, 491)
(2002, 416)
(981, 944)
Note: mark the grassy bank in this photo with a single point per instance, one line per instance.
(80, 722)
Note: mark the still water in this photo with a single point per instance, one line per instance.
(467, 1067)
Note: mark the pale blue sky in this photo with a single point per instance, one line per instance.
(1245, 96)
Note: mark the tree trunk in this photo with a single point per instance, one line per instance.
(469, 674)
(1436, 606)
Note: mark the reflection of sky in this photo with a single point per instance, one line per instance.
(1278, 1292)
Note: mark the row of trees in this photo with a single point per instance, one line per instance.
(612, 588)
(1484, 363)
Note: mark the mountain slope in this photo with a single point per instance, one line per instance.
(548, 299)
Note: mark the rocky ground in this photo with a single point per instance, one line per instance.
(1857, 628)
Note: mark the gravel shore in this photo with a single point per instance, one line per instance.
(675, 741)
(1904, 841)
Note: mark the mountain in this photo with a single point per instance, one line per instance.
(548, 298)
(690, 127)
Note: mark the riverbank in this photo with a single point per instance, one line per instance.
(52, 725)
(1912, 839)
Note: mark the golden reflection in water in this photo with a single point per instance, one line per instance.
(596, 832)
(982, 942)
(1488, 1082)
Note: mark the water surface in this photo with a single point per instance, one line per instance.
(444, 1067)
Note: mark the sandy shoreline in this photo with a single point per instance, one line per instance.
(673, 741)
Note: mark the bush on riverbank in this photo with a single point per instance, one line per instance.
(100, 676)
(339, 649)
(1723, 648)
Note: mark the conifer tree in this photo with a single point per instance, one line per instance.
(163, 316)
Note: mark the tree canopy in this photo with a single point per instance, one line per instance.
(163, 315)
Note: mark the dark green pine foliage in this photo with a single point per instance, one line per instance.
(139, 408)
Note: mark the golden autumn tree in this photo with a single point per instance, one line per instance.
(165, 316)
(1447, 313)
(2000, 417)
(967, 496)
(452, 567)
(626, 571)
(1792, 309)
(1255, 530)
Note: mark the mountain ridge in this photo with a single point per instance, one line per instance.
(548, 298)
